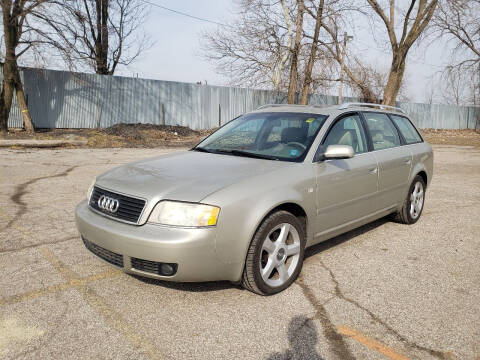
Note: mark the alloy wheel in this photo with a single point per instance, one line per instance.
(416, 200)
(280, 254)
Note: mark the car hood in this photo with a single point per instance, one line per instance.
(184, 176)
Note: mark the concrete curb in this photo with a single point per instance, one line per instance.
(41, 143)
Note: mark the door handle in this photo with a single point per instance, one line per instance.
(407, 161)
(373, 171)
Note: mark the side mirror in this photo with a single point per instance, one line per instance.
(335, 152)
(339, 152)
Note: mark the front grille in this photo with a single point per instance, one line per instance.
(152, 267)
(129, 208)
(107, 255)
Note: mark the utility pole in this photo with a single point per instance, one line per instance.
(346, 38)
(476, 95)
(476, 102)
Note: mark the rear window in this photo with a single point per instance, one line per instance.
(408, 131)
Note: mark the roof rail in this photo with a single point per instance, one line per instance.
(269, 105)
(278, 105)
(372, 105)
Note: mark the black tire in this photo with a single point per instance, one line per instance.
(404, 216)
(252, 279)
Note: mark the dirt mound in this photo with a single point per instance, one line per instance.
(452, 137)
(138, 131)
(121, 135)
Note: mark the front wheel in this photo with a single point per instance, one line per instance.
(275, 255)
(413, 205)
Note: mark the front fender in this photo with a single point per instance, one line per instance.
(245, 205)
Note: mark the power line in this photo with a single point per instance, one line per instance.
(185, 14)
(225, 25)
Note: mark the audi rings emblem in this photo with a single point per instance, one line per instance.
(108, 204)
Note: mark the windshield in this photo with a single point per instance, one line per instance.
(283, 136)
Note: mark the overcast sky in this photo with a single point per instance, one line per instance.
(176, 54)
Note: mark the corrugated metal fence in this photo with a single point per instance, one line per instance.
(60, 99)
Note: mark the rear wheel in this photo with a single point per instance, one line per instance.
(413, 205)
(275, 255)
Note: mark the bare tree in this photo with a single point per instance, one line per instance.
(255, 49)
(292, 83)
(17, 41)
(307, 81)
(268, 47)
(453, 90)
(370, 77)
(357, 72)
(457, 86)
(414, 22)
(96, 34)
(458, 22)
(432, 89)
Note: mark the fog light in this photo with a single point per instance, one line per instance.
(167, 269)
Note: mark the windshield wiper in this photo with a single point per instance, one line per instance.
(236, 153)
(201, 149)
(252, 155)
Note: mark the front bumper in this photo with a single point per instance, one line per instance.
(192, 249)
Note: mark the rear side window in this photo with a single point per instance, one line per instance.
(383, 132)
(407, 129)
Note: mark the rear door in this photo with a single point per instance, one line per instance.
(394, 160)
(346, 188)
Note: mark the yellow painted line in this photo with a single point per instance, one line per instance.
(370, 343)
(71, 284)
(98, 304)
(60, 267)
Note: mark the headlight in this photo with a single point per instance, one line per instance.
(184, 214)
(90, 189)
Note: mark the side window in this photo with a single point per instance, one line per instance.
(383, 132)
(407, 129)
(348, 131)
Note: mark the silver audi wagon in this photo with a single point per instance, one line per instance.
(245, 202)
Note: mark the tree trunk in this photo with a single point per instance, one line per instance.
(292, 85)
(7, 83)
(101, 42)
(8, 86)
(22, 104)
(394, 80)
(368, 96)
(3, 118)
(105, 4)
(12, 82)
(313, 53)
(424, 12)
(13, 16)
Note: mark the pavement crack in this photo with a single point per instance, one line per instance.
(100, 306)
(10, 250)
(339, 294)
(21, 190)
(336, 341)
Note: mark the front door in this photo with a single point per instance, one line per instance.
(346, 188)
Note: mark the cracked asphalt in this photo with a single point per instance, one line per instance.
(383, 291)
